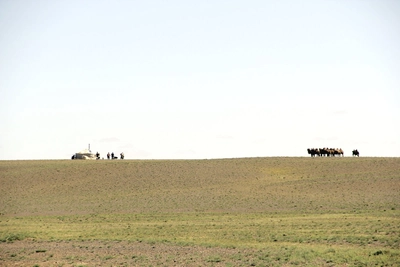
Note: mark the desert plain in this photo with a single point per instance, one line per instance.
(274, 211)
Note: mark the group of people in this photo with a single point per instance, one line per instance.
(110, 156)
(114, 157)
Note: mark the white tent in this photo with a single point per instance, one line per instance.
(85, 154)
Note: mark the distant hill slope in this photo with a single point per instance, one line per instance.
(223, 185)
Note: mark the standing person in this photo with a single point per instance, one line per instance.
(122, 155)
(112, 155)
(97, 155)
(108, 155)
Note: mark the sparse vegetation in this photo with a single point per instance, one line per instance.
(226, 212)
(11, 237)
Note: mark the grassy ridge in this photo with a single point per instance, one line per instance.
(214, 229)
(293, 211)
(362, 239)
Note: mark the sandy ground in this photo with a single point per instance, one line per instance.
(73, 188)
(98, 253)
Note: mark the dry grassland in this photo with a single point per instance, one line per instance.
(222, 212)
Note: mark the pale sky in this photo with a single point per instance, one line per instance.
(199, 79)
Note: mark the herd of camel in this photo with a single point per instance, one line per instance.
(329, 152)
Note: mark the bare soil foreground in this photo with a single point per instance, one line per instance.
(222, 212)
